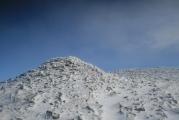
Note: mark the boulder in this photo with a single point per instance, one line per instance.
(88, 108)
(112, 93)
(48, 114)
(55, 115)
(18, 119)
(140, 109)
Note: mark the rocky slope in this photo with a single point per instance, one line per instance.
(67, 88)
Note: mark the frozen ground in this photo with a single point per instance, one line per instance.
(70, 89)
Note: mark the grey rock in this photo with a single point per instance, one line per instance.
(48, 114)
(55, 115)
(87, 107)
(140, 109)
(112, 93)
(18, 119)
(79, 118)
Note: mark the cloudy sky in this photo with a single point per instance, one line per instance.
(110, 34)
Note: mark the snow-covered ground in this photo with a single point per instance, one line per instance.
(68, 88)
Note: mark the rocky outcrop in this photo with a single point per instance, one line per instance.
(69, 88)
(50, 114)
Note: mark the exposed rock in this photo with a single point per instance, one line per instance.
(48, 114)
(120, 105)
(88, 108)
(79, 118)
(31, 98)
(45, 100)
(72, 87)
(108, 88)
(121, 113)
(55, 115)
(1, 107)
(18, 119)
(112, 93)
(130, 116)
(140, 109)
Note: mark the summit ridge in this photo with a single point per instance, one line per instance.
(67, 88)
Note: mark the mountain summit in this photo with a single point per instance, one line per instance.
(51, 91)
(67, 88)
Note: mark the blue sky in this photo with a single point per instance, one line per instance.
(110, 34)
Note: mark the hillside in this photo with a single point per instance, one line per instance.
(67, 88)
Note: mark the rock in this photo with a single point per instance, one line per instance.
(31, 98)
(56, 103)
(87, 107)
(128, 108)
(1, 107)
(18, 119)
(21, 87)
(112, 93)
(45, 100)
(126, 97)
(2, 88)
(59, 96)
(108, 88)
(121, 113)
(55, 115)
(175, 101)
(46, 85)
(130, 116)
(140, 109)
(48, 114)
(120, 106)
(78, 118)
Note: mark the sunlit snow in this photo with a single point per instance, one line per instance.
(67, 88)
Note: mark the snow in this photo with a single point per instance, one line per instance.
(67, 88)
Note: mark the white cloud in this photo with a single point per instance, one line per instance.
(165, 37)
(153, 26)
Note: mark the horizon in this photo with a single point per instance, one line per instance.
(111, 35)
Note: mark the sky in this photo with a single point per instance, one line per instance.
(110, 34)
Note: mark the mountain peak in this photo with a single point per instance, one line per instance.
(69, 88)
(67, 63)
(70, 59)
